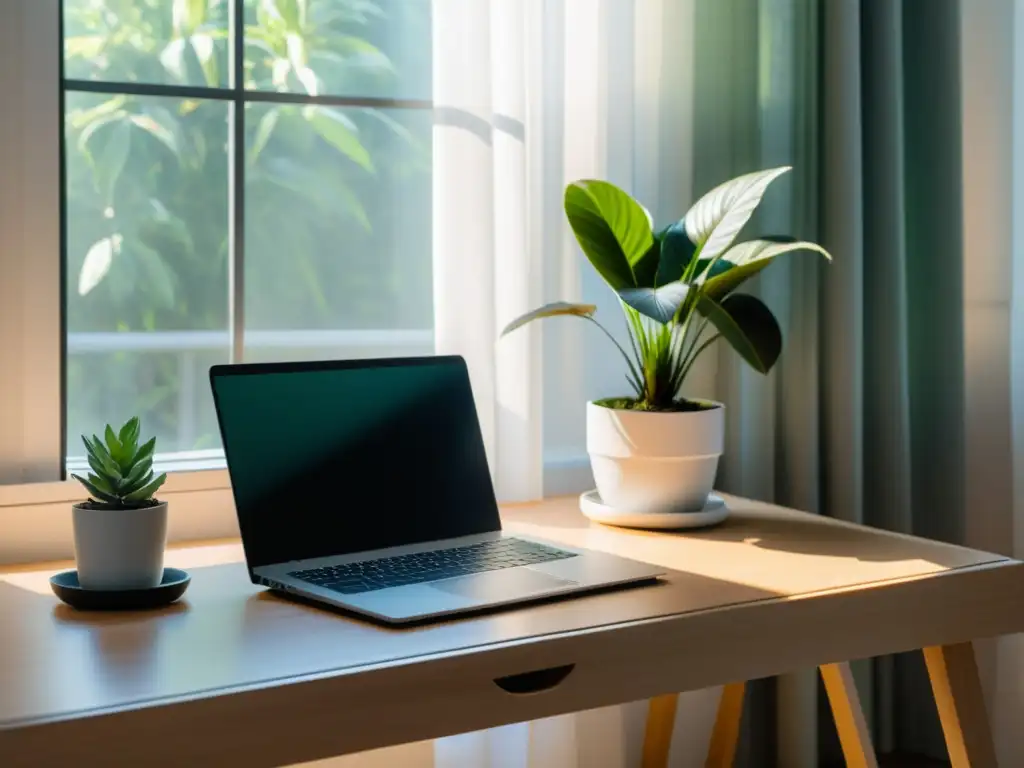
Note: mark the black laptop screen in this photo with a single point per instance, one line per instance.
(336, 458)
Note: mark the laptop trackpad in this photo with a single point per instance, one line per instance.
(501, 585)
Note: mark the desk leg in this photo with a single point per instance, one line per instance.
(961, 704)
(661, 720)
(726, 733)
(854, 735)
(842, 694)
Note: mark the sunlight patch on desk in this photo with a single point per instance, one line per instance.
(834, 559)
(30, 582)
(185, 556)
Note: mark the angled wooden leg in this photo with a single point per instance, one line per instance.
(661, 719)
(726, 733)
(854, 735)
(961, 703)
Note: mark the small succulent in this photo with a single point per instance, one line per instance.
(122, 470)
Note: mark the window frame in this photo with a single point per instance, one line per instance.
(31, 288)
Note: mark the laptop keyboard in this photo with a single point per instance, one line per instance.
(420, 567)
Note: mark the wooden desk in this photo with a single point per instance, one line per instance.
(236, 676)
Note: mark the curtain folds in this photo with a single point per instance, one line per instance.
(892, 402)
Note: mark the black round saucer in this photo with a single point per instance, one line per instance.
(172, 586)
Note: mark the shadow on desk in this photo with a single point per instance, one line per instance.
(65, 614)
(799, 535)
(462, 616)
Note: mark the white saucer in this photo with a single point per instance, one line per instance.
(714, 512)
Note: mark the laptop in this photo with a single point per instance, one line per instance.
(364, 484)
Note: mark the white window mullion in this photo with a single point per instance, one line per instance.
(31, 409)
(236, 186)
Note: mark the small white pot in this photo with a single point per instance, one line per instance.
(120, 548)
(651, 462)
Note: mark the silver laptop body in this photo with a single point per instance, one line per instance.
(364, 485)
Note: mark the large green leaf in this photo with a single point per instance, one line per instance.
(165, 233)
(205, 47)
(188, 15)
(676, 253)
(551, 310)
(715, 220)
(154, 272)
(749, 327)
(181, 60)
(745, 260)
(158, 131)
(340, 132)
(110, 160)
(645, 270)
(97, 262)
(263, 133)
(92, 145)
(83, 118)
(291, 12)
(613, 229)
(660, 304)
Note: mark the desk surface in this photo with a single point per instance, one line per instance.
(768, 591)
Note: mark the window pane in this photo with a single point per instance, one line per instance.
(338, 232)
(147, 264)
(170, 42)
(377, 48)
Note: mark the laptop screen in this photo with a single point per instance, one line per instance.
(336, 458)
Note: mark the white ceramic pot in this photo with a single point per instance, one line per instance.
(649, 462)
(120, 548)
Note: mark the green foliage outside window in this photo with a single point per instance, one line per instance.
(336, 198)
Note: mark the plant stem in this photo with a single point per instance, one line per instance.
(696, 336)
(692, 358)
(618, 346)
(692, 266)
(629, 335)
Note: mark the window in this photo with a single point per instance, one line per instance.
(255, 180)
(244, 180)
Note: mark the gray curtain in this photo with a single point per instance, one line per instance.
(863, 417)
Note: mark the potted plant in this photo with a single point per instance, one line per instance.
(653, 451)
(121, 530)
